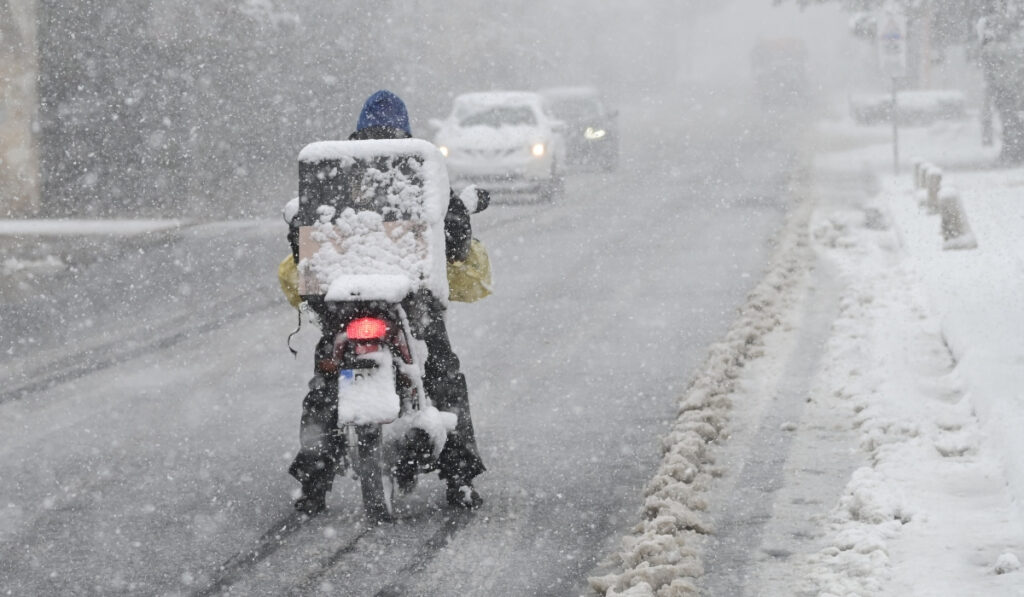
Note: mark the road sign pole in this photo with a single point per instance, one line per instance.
(895, 129)
(892, 54)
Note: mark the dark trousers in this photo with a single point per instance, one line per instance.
(322, 443)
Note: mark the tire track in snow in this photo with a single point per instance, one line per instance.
(453, 524)
(268, 543)
(237, 568)
(741, 522)
(280, 534)
(450, 525)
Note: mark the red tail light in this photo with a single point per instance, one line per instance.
(367, 328)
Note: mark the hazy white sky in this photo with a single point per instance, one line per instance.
(722, 40)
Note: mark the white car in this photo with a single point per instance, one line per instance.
(504, 141)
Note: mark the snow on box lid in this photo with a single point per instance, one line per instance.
(422, 156)
(371, 212)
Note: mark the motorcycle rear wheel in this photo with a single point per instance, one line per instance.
(369, 466)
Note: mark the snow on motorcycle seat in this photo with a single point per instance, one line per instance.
(371, 220)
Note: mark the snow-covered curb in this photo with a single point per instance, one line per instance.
(662, 555)
(60, 227)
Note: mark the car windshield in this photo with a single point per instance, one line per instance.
(501, 116)
(575, 109)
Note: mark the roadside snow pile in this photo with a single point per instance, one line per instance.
(930, 515)
(952, 143)
(661, 557)
(913, 107)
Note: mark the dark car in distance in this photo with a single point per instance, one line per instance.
(592, 130)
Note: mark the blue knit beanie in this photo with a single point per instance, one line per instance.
(384, 109)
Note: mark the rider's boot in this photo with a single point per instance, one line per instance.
(459, 461)
(323, 447)
(312, 504)
(315, 474)
(461, 494)
(417, 453)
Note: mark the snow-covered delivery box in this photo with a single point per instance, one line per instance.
(371, 219)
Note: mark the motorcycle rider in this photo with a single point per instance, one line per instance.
(384, 116)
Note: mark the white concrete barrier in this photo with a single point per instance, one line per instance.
(956, 231)
(918, 165)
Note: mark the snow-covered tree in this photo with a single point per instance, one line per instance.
(994, 27)
(1000, 35)
(18, 162)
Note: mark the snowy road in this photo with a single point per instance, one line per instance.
(144, 434)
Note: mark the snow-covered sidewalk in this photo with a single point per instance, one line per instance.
(926, 351)
(918, 391)
(978, 296)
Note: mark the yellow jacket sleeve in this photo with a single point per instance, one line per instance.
(288, 276)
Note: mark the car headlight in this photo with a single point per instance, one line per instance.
(592, 133)
(537, 150)
(443, 149)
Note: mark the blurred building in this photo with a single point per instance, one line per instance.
(19, 162)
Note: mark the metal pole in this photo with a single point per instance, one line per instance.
(895, 131)
(987, 135)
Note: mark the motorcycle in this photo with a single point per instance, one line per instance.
(371, 260)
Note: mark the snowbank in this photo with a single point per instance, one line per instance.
(913, 107)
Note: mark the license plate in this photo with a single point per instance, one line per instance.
(367, 396)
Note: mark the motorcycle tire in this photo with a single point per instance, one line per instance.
(376, 499)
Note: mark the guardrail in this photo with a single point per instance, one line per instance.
(936, 198)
